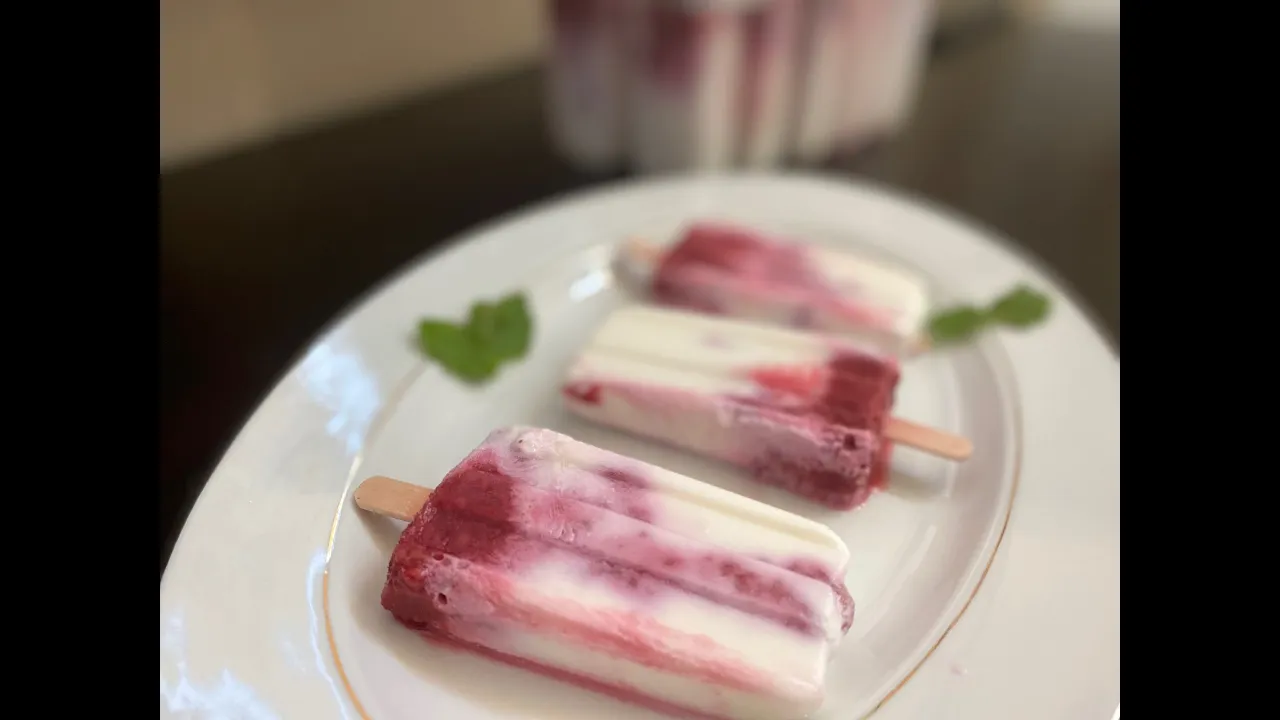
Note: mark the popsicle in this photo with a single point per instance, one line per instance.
(806, 412)
(723, 269)
(590, 567)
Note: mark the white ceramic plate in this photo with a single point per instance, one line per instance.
(988, 589)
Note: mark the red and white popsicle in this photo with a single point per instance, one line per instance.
(619, 576)
(723, 269)
(802, 411)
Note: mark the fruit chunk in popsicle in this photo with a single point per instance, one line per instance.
(721, 269)
(625, 578)
(804, 412)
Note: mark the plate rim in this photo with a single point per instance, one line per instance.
(875, 191)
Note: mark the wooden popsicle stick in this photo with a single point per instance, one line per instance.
(930, 440)
(394, 499)
(919, 345)
(642, 250)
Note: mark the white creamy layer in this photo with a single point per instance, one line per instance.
(714, 345)
(788, 701)
(875, 285)
(674, 364)
(723, 350)
(683, 505)
(698, 429)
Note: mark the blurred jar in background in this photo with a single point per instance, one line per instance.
(770, 54)
(889, 41)
(671, 85)
(683, 84)
(587, 64)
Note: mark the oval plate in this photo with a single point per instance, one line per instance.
(269, 607)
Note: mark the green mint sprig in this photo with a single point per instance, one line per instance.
(494, 333)
(1019, 308)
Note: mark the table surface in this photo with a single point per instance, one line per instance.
(1017, 127)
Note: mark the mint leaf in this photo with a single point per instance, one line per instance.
(482, 322)
(457, 350)
(512, 328)
(1021, 307)
(956, 324)
(473, 351)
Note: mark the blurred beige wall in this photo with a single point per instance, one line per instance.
(233, 71)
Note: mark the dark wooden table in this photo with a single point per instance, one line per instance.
(1017, 128)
